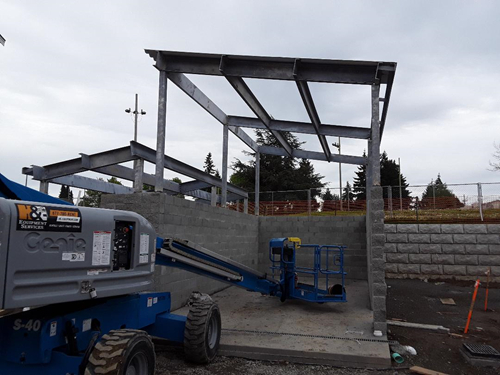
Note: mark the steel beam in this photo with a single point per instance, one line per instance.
(189, 88)
(308, 101)
(301, 127)
(172, 164)
(160, 132)
(92, 184)
(385, 109)
(86, 162)
(280, 68)
(249, 98)
(313, 155)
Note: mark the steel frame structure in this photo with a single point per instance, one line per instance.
(107, 163)
(174, 66)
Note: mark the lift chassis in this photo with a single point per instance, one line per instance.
(84, 272)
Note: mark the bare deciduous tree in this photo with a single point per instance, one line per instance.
(496, 165)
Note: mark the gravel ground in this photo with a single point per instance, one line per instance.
(170, 361)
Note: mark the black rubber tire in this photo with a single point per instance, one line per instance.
(120, 350)
(202, 331)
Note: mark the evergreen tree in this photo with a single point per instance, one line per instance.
(278, 173)
(438, 195)
(66, 194)
(178, 180)
(209, 166)
(327, 196)
(389, 176)
(347, 192)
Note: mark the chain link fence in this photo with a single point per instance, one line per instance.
(472, 202)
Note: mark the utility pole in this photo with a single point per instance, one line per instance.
(400, 188)
(337, 145)
(138, 163)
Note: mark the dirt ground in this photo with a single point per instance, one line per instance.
(419, 302)
(411, 300)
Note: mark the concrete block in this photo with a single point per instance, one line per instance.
(493, 228)
(477, 249)
(431, 269)
(489, 260)
(407, 228)
(420, 258)
(452, 228)
(378, 239)
(455, 270)
(397, 237)
(379, 289)
(429, 228)
(409, 268)
(475, 228)
(408, 248)
(453, 249)
(464, 238)
(477, 270)
(390, 228)
(397, 258)
(494, 249)
(419, 238)
(441, 238)
(379, 303)
(443, 259)
(390, 248)
(468, 260)
(430, 249)
(391, 268)
(488, 239)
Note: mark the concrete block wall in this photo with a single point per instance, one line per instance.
(229, 233)
(323, 230)
(458, 251)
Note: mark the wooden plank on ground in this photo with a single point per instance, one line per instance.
(425, 371)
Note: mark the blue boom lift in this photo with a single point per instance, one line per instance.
(99, 329)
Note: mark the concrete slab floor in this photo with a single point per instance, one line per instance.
(292, 329)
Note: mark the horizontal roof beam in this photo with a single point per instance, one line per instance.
(191, 90)
(314, 155)
(302, 127)
(280, 68)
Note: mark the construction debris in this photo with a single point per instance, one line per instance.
(448, 301)
(419, 325)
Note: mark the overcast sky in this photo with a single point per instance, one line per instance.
(69, 69)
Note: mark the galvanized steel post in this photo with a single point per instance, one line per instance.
(257, 182)
(480, 200)
(213, 198)
(44, 186)
(225, 141)
(160, 135)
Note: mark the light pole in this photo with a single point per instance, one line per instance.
(337, 145)
(136, 113)
(138, 163)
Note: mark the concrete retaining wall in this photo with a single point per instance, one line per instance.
(323, 230)
(229, 233)
(459, 251)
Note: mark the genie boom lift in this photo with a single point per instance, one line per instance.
(73, 282)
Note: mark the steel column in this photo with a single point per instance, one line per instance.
(245, 205)
(160, 135)
(225, 144)
(44, 187)
(257, 183)
(138, 175)
(213, 200)
(375, 139)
